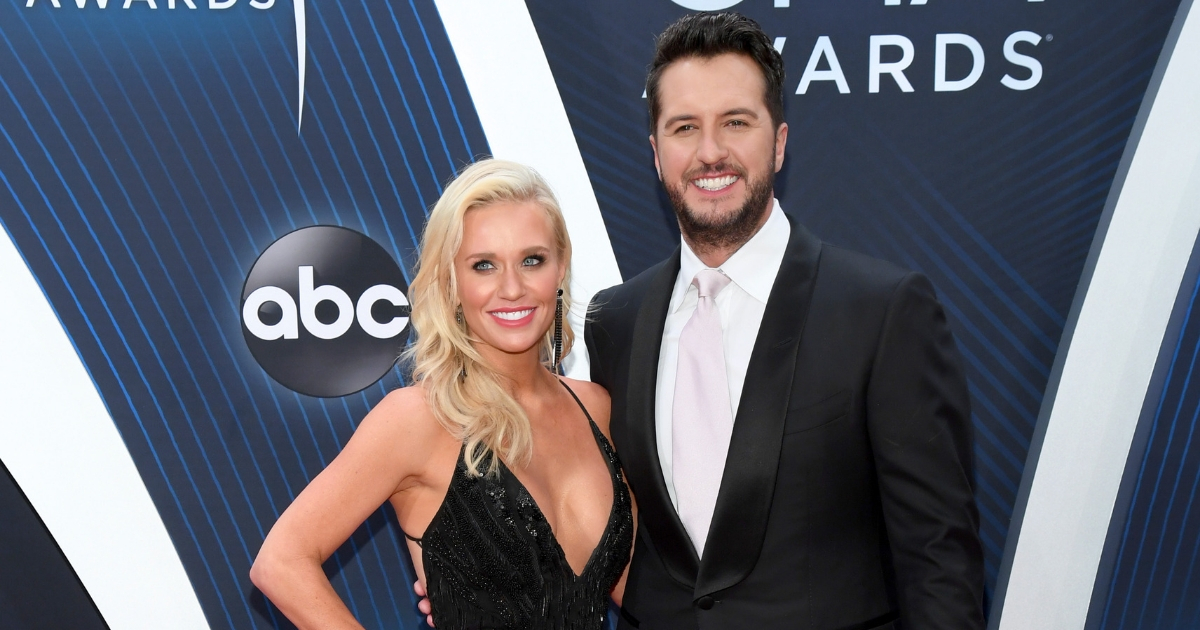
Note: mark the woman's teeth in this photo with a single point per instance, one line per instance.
(512, 315)
(715, 183)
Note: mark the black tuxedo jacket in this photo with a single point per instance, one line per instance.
(846, 501)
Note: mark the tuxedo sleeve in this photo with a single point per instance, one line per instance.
(919, 420)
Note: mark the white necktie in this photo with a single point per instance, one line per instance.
(702, 417)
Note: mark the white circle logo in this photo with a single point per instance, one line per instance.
(302, 299)
(706, 5)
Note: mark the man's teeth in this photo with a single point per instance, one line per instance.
(715, 183)
(512, 315)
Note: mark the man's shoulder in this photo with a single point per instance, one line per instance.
(858, 272)
(628, 295)
(611, 319)
(848, 272)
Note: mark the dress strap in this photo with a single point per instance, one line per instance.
(412, 538)
(577, 401)
(602, 442)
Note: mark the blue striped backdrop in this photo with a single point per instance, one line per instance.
(147, 158)
(1149, 575)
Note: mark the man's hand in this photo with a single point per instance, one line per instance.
(424, 606)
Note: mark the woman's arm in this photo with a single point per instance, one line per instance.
(379, 460)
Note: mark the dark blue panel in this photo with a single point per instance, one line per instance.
(147, 156)
(994, 193)
(38, 587)
(1149, 576)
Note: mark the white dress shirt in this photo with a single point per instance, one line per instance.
(752, 270)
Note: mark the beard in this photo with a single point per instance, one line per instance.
(731, 230)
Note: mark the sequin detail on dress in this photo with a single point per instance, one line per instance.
(492, 561)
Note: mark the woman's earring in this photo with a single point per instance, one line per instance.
(558, 331)
(458, 318)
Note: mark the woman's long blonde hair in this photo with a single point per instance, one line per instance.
(478, 408)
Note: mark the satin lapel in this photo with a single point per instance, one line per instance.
(656, 514)
(744, 502)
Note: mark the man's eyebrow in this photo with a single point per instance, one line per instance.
(741, 111)
(680, 118)
(737, 111)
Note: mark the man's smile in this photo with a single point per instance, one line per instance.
(713, 184)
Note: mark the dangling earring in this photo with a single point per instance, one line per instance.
(558, 332)
(458, 317)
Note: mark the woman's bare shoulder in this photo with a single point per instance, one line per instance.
(404, 415)
(406, 402)
(594, 398)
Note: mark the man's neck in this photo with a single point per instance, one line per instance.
(715, 255)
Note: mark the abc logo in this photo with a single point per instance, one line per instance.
(706, 5)
(324, 311)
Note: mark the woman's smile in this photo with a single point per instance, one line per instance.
(513, 317)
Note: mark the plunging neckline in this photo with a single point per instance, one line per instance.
(597, 435)
(492, 559)
(606, 451)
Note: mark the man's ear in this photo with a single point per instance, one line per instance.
(654, 149)
(780, 145)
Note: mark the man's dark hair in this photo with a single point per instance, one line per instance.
(707, 35)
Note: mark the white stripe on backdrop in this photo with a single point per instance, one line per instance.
(1111, 356)
(61, 446)
(524, 120)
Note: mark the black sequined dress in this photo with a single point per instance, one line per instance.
(492, 561)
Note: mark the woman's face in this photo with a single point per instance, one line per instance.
(508, 276)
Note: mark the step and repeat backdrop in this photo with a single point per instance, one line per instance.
(211, 210)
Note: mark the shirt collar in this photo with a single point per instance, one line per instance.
(763, 252)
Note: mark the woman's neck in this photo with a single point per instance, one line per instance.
(524, 371)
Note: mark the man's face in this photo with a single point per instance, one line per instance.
(716, 148)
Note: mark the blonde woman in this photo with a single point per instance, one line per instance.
(500, 471)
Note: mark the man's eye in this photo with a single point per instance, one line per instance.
(483, 265)
(737, 123)
(531, 261)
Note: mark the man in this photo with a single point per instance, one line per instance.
(792, 417)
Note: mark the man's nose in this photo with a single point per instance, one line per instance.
(712, 149)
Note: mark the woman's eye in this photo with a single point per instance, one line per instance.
(483, 265)
(531, 261)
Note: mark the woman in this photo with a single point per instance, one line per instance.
(500, 472)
